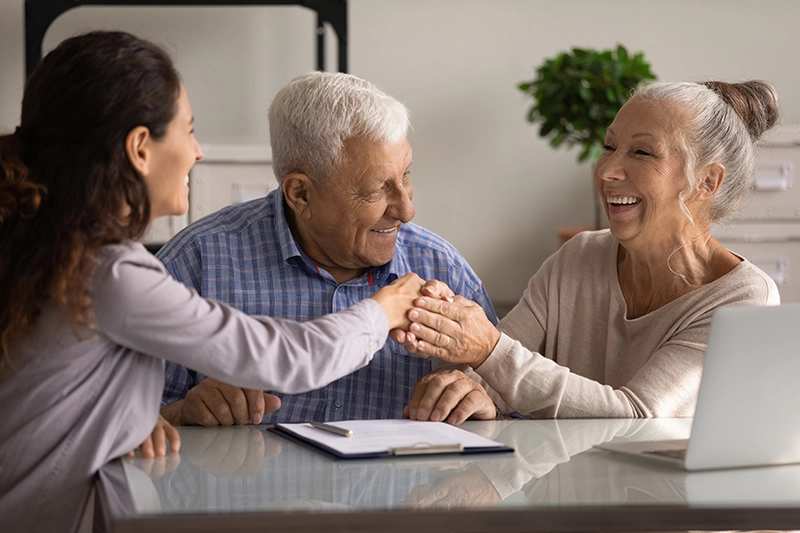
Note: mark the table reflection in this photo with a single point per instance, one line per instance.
(554, 464)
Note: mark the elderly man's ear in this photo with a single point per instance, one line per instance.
(297, 189)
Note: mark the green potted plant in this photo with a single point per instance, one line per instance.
(578, 93)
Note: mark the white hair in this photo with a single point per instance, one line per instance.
(312, 116)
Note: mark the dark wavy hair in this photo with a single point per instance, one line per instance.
(66, 184)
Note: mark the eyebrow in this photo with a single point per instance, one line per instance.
(387, 179)
(635, 135)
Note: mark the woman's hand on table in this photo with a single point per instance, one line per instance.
(154, 460)
(155, 445)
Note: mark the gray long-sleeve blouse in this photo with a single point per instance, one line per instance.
(70, 400)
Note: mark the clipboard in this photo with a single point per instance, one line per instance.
(390, 438)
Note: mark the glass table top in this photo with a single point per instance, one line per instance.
(555, 468)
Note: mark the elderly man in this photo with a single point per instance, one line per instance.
(335, 231)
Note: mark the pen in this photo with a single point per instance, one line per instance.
(332, 429)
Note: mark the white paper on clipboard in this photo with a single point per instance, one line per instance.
(393, 437)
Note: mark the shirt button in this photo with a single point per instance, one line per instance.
(337, 404)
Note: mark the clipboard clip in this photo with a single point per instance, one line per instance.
(424, 449)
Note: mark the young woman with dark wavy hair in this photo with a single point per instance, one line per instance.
(87, 315)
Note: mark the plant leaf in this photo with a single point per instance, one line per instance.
(577, 93)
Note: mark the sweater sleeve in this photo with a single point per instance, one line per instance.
(531, 384)
(139, 306)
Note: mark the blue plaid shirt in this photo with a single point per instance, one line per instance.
(245, 255)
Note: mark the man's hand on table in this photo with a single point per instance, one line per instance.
(214, 403)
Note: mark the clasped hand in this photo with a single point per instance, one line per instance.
(449, 327)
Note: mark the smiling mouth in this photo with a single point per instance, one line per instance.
(385, 231)
(623, 200)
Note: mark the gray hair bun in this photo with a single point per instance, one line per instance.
(755, 101)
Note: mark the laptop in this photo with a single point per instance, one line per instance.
(748, 405)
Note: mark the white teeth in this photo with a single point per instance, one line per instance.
(187, 179)
(390, 230)
(622, 200)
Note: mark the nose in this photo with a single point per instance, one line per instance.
(198, 151)
(400, 206)
(609, 167)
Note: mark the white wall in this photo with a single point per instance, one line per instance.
(483, 178)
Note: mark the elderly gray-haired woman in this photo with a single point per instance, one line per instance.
(615, 323)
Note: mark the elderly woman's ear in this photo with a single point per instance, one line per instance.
(711, 180)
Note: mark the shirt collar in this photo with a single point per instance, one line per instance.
(289, 247)
(398, 266)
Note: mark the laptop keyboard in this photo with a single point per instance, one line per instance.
(675, 454)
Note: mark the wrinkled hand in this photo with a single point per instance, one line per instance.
(398, 297)
(438, 289)
(469, 488)
(434, 289)
(456, 332)
(231, 452)
(214, 403)
(155, 445)
(449, 394)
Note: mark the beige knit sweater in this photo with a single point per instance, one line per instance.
(568, 350)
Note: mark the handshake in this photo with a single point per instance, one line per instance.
(428, 319)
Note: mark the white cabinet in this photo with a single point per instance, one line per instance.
(773, 247)
(227, 175)
(767, 232)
